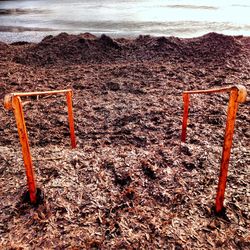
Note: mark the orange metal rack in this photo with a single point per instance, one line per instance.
(13, 101)
(238, 95)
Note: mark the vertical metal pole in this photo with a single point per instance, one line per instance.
(228, 139)
(185, 116)
(18, 111)
(71, 119)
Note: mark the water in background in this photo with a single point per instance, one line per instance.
(31, 20)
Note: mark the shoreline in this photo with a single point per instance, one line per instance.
(10, 34)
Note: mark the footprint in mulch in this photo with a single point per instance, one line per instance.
(94, 244)
(121, 179)
(189, 165)
(129, 194)
(148, 171)
(198, 163)
(186, 150)
(112, 86)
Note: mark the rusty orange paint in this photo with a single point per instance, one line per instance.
(228, 140)
(13, 101)
(22, 132)
(185, 116)
(68, 92)
(36, 93)
(208, 91)
(71, 119)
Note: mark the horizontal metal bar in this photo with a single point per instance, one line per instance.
(52, 92)
(208, 91)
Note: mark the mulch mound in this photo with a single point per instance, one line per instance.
(71, 49)
(131, 183)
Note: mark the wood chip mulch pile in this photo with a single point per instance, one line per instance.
(131, 183)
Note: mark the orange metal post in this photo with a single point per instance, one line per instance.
(238, 94)
(71, 119)
(185, 116)
(50, 92)
(228, 139)
(18, 111)
(13, 101)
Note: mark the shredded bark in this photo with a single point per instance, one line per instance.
(131, 183)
